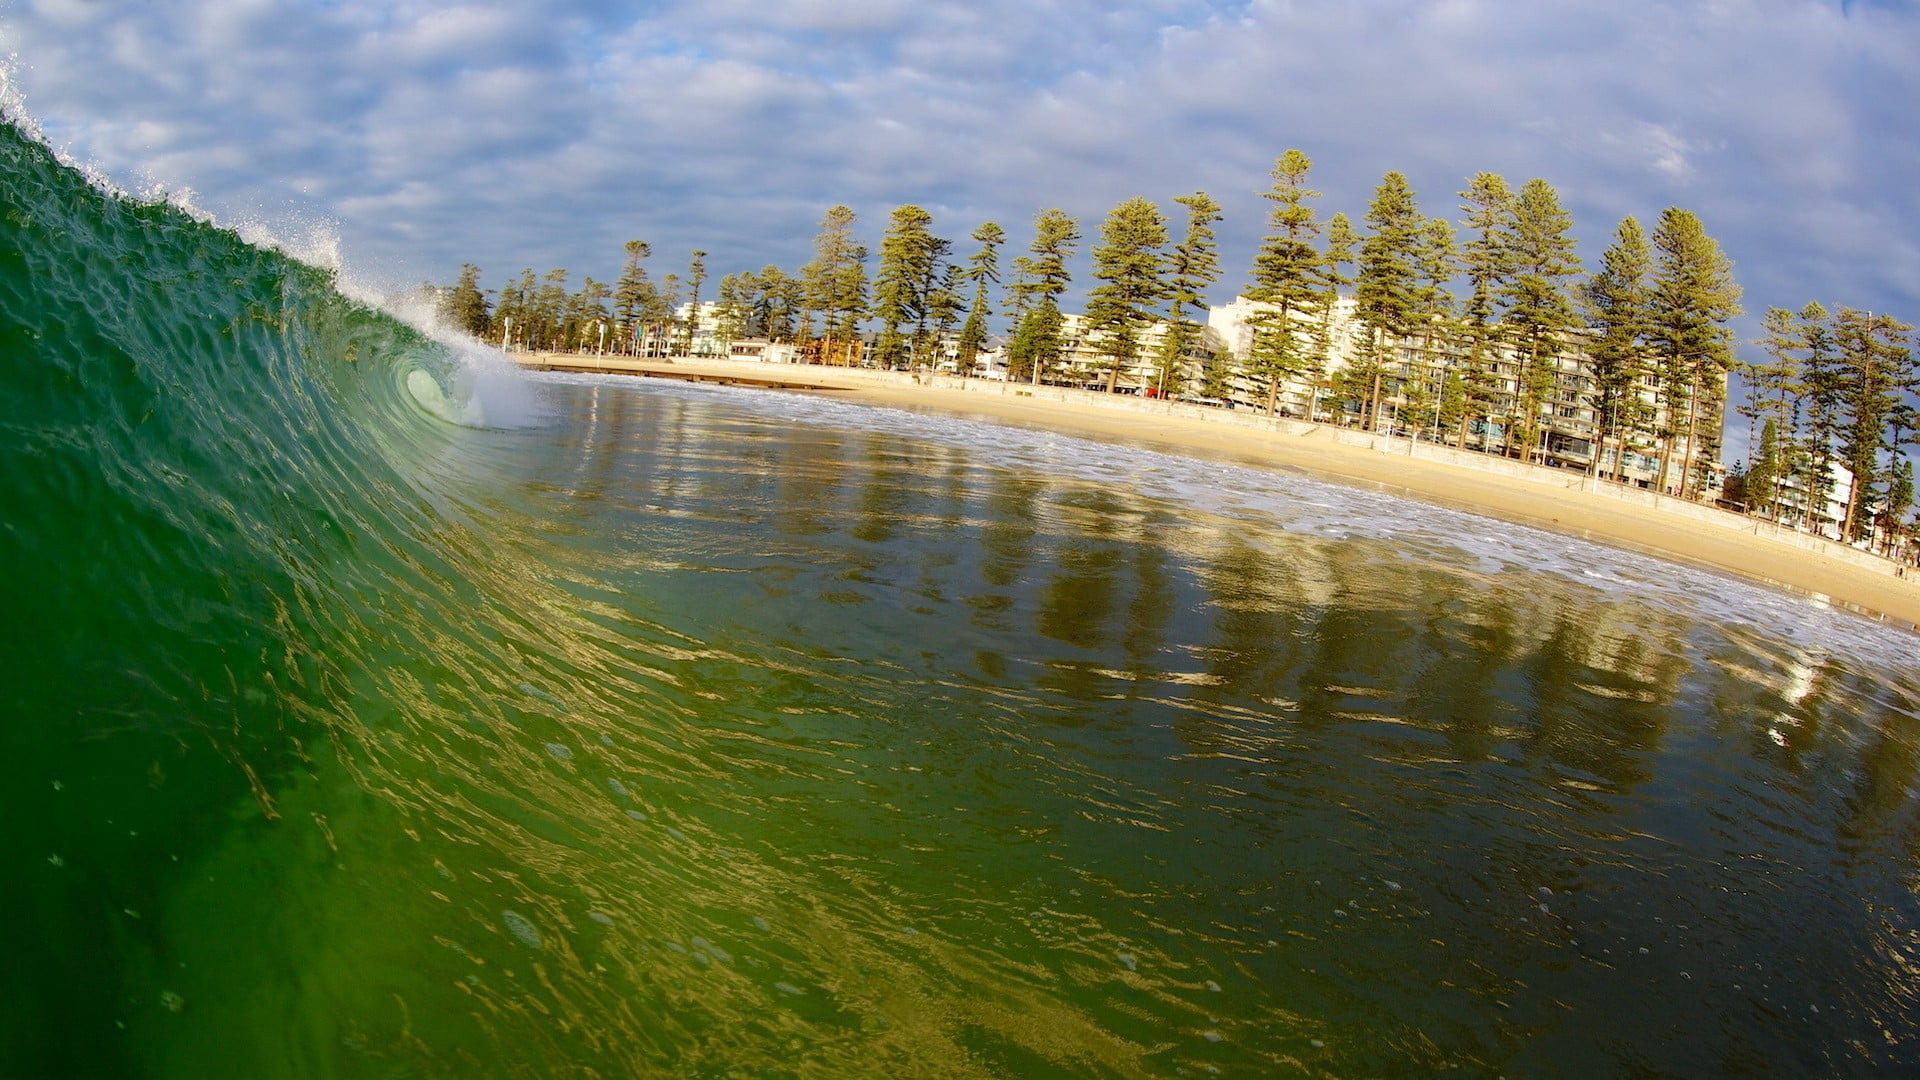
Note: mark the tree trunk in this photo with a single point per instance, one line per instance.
(1693, 434)
(1853, 500)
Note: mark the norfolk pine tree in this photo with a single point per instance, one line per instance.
(1823, 384)
(1128, 264)
(1288, 275)
(773, 304)
(983, 270)
(1775, 397)
(1043, 278)
(734, 293)
(666, 306)
(1385, 291)
(1899, 501)
(1434, 311)
(899, 285)
(513, 313)
(1192, 265)
(1876, 368)
(1486, 204)
(1540, 259)
(587, 315)
(834, 284)
(632, 293)
(941, 309)
(465, 306)
(1694, 297)
(1770, 384)
(1617, 302)
(696, 274)
(1763, 470)
(1340, 247)
(549, 310)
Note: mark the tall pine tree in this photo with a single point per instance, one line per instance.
(1192, 266)
(1341, 244)
(907, 260)
(465, 306)
(1485, 205)
(633, 295)
(1386, 290)
(835, 286)
(1043, 278)
(1617, 301)
(1434, 313)
(983, 270)
(1287, 280)
(1538, 308)
(696, 274)
(1694, 297)
(1129, 265)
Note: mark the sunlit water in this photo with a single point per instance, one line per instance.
(700, 731)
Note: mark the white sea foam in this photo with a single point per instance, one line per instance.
(482, 388)
(1449, 539)
(521, 928)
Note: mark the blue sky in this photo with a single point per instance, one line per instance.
(544, 133)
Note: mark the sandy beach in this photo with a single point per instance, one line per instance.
(1561, 501)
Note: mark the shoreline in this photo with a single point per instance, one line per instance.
(1630, 519)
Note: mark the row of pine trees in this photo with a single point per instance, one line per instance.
(1464, 324)
(1834, 388)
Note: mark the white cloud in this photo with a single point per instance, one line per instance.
(548, 132)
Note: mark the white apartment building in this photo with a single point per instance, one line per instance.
(1414, 376)
(1086, 361)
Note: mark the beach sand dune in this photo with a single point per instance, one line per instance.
(1561, 501)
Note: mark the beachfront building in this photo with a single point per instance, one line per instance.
(713, 331)
(1086, 359)
(1822, 510)
(760, 350)
(1326, 340)
(1431, 387)
(989, 362)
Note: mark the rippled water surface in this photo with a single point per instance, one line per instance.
(770, 745)
(689, 731)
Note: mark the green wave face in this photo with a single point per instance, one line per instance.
(349, 732)
(213, 482)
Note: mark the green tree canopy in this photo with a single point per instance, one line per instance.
(634, 296)
(1386, 291)
(1043, 278)
(1538, 306)
(1192, 266)
(1617, 301)
(1694, 298)
(983, 270)
(835, 285)
(1129, 265)
(907, 262)
(1288, 276)
(465, 307)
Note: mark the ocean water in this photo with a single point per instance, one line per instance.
(371, 713)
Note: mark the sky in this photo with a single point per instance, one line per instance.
(547, 133)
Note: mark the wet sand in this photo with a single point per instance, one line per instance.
(1562, 501)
